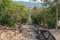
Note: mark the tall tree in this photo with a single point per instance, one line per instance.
(57, 2)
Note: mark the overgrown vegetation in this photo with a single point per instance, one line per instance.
(11, 13)
(47, 15)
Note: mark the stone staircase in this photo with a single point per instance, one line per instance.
(29, 32)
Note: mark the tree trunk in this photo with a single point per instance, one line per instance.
(57, 2)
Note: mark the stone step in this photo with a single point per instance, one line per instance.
(29, 32)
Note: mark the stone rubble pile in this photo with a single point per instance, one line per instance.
(27, 34)
(11, 35)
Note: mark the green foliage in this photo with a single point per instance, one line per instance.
(20, 11)
(10, 20)
(51, 23)
(6, 13)
(47, 16)
(24, 16)
(7, 19)
(9, 11)
(39, 17)
(48, 13)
